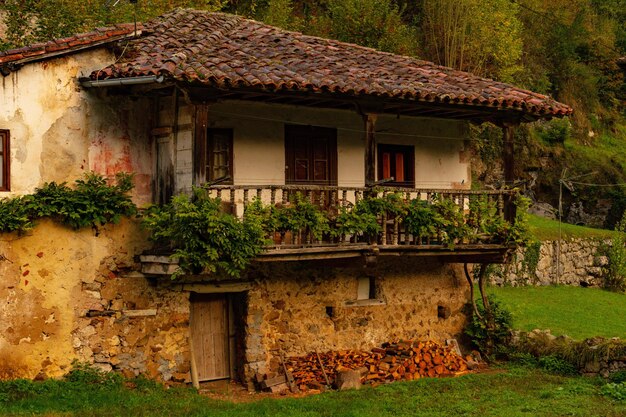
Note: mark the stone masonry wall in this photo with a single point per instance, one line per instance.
(74, 295)
(70, 295)
(579, 263)
(303, 307)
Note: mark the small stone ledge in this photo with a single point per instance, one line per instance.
(364, 303)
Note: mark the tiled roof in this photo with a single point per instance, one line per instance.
(67, 45)
(230, 52)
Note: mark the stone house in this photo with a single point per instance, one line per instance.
(246, 109)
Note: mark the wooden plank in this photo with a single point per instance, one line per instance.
(209, 324)
(161, 131)
(140, 313)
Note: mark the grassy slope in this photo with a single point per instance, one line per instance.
(578, 312)
(511, 392)
(546, 229)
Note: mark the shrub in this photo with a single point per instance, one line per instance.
(490, 339)
(92, 202)
(615, 391)
(205, 238)
(421, 219)
(299, 216)
(85, 374)
(556, 131)
(618, 377)
(614, 273)
(554, 364)
(452, 221)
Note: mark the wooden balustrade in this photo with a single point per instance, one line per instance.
(332, 199)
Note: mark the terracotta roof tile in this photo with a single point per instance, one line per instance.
(228, 51)
(69, 44)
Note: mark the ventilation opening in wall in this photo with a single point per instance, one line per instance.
(330, 311)
(366, 289)
(443, 312)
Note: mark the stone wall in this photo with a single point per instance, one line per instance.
(71, 295)
(311, 306)
(592, 357)
(579, 263)
(76, 295)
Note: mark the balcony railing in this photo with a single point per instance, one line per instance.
(394, 233)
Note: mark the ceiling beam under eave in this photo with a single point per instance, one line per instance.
(379, 105)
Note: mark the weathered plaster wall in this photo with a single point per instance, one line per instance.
(259, 151)
(572, 262)
(59, 131)
(288, 308)
(54, 279)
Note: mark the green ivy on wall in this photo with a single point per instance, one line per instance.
(92, 202)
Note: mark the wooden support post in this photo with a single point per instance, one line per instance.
(508, 156)
(369, 120)
(201, 122)
(508, 150)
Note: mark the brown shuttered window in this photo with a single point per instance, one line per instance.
(310, 155)
(397, 162)
(5, 155)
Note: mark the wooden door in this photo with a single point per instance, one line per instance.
(209, 331)
(310, 155)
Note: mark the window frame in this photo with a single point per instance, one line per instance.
(5, 156)
(208, 157)
(409, 162)
(295, 132)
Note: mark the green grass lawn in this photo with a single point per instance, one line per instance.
(577, 312)
(546, 229)
(513, 391)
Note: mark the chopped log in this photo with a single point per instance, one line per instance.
(401, 360)
(270, 382)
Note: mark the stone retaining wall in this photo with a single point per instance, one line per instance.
(576, 262)
(592, 357)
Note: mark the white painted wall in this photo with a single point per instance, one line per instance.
(259, 153)
(60, 131)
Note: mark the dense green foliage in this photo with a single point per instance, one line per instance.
(490, 340)
(574, 311)
(92, 202)
(510, 391)
(203, 236)
(614, 273)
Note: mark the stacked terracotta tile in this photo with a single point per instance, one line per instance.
(230, 52)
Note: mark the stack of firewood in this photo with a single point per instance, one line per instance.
(403, 360)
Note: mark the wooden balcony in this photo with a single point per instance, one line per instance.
(393, 237)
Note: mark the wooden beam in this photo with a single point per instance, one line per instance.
(201, 121)
(508, 157)
(369, 120)
(218, 288)
(508, 152)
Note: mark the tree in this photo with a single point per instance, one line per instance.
(478, 36)
(30, 21)
(373, 23)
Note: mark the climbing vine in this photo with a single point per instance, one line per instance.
(93, 201)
